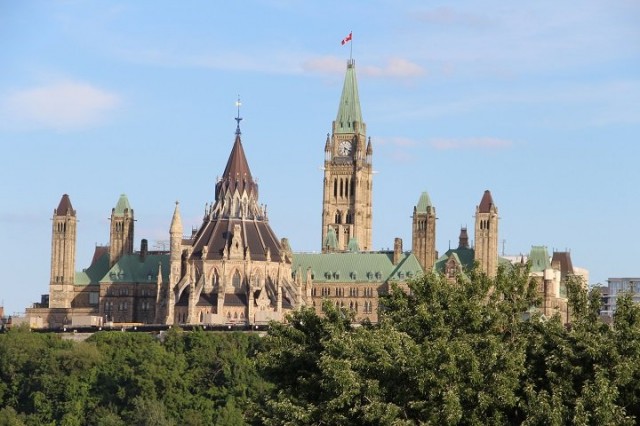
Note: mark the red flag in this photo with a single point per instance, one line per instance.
(347, 39)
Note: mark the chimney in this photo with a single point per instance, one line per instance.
(144, 249)
(397, 250)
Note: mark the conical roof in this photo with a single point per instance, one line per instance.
(486, 204)
(237, 174)
(176, 221)
(65, 207)
(423, 203)
(349, 109)
(122, 206)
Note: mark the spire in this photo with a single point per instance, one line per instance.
(236, 174)
(122, 206)
(64, 207)
(238, 118)
(486, 204)
(176, 221)
(423, 203)
(349, 118)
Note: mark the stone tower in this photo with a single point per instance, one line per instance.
(63, 254)
(346, 205)
(424, 232)
(486, 235)
(121, 234)
(167, 295)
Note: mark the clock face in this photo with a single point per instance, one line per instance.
(344, 148)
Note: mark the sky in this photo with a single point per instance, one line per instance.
(538, 102)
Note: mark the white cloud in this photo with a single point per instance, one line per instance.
(470, 143)
(397, 141)
(64, 106)
(324, 65)
(394, 67)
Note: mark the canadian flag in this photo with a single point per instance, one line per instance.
(347, 39)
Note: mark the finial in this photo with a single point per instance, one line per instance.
(238, 118)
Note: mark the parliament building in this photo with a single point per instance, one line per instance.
(233, 269)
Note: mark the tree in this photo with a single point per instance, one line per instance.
(457, 352)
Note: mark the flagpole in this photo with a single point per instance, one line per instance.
(351, 47)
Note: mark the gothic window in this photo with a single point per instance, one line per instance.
(341, 187)
(335, 187)
(349, 218)
(236, 281)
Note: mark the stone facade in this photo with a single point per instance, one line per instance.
(234, 270)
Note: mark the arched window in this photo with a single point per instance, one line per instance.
(335, 187)
(236, 282)
(341, 187)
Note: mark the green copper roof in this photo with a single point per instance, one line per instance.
(123, 204)
(95, 272)
(539, 258)
(463, 256)
(353, 245)
(330, 241)
(423, 203)
(349, 109)
(356, 267)
(132, 268)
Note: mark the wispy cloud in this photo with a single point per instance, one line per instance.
(393, 67)
(470, 143)
(397, 141)
(63, 106)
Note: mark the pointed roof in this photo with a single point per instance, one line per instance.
(486, 204)
(65, 207)
(237, 174)
(349, 110)
(539, 258)
(237, 165)
(423, 203)
(122, 206)
(176, 221)
(353, 245)
(331, 240)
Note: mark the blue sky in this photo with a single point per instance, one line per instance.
(537, 101)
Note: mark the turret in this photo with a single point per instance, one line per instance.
(121, 233)
(486, 235)
(63, 254)
(424, 232)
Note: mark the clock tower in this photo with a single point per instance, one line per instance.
(346, 201)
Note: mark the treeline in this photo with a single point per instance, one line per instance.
(118, 378)
(470, 352)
